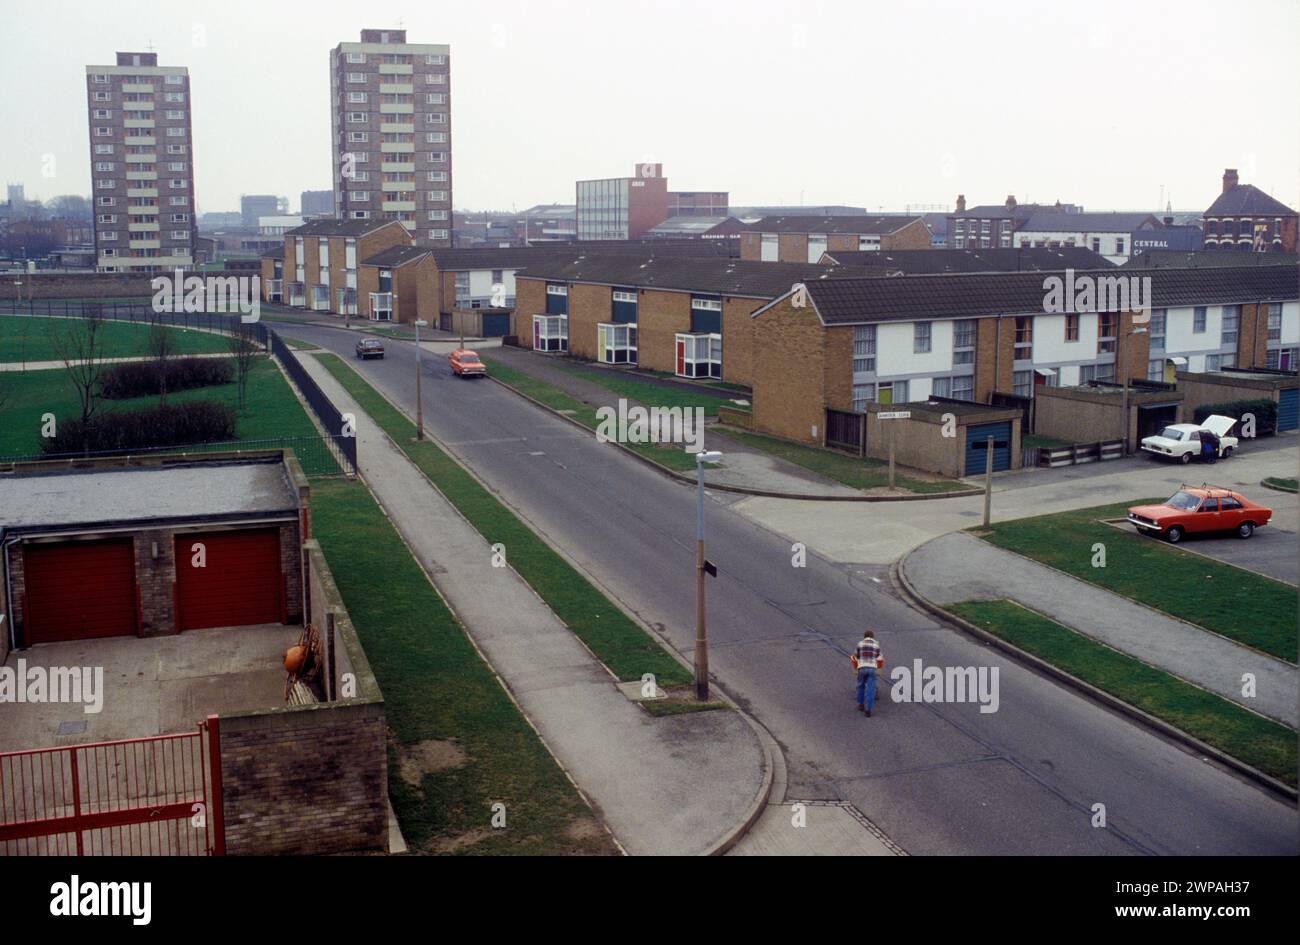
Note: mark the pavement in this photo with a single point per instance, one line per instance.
(672, 785)
(934, 778)
(743, 466)
(21, 366)
(958, 567)
(879, 533)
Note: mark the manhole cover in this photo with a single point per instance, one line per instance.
(72, 728)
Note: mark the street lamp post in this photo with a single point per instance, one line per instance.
(701, 569)
(419, 400)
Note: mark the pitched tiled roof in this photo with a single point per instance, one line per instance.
(716, 275)
(881, 224)
(935, 261)
(396, 256)
(852, 301)
(332, 226)
(1245, 200)
(1178, 259)
(514, 257)
(1051, 221)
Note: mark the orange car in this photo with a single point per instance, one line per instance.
(465, 363)
(1196, 510)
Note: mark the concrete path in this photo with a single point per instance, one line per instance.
(743, 467)
(20, 366)
(958, 567)
(879, 533)
(674, 785)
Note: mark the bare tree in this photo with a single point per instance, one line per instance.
(79, 345)
(244, 351)
(162, 345)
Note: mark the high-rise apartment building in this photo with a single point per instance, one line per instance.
(391, 112)
(142, 164)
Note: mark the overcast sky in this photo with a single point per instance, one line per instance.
(871, 104)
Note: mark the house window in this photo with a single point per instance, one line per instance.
(623, 306)
(891, 392)
(961, 387)
(550, 332)
(1096, 244)
(920, 337)
(706, 315)
(1274, 321)
(1119, 246)
(356, 57)
(1156, 328)
(557, 300)
(616, 344)
(863, 394)
(864, 349)
(1156, 369)
(1217, 362)
(1198, 319)
(1022, 383)
(963, 341)
(437, 234)
(1228, 326)
(1107, 325)
(1024, 338)
(1096, 372)
(462, 290)
(1071, 327)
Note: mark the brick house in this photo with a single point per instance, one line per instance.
(681, 315)
(845, 343)
(803, 239)
(1245, 219)
(321, 258)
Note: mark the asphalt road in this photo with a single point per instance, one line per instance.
(937, 778)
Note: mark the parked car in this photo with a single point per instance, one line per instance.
(1182, 441)
(370, 348)
(1200, 510)
(466, 363)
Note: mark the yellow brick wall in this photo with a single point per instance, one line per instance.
(588, 306)
(789, 373)
(660, 316)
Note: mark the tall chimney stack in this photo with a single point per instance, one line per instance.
(1011, 201)
(961, 203)
(1229, 179)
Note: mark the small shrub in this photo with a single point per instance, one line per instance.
(1265, 412)
(141, 378)
(202, 421)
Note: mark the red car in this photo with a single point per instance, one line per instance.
(1198, 510)
(466, 363)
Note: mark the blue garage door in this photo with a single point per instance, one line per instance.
(496, 324)
(1288, 409)
(975, 454)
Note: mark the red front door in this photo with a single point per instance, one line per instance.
(229, 579)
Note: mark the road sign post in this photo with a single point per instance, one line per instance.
(892, 415)
(419, 400)
(988, 478)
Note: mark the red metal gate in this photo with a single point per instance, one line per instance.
(158, 796)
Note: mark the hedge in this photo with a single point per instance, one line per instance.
(1265, 412)
(201, 421)
(141, 378)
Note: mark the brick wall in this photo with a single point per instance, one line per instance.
(789, 373)
(751, 246)
(94, 285)
(1199, 389)
(589, 305)
(1252, 336)
(919, 441)
(530, 300)
(406, 282)
(792, 247)
(660, 316)
(916, 235)
(995, 352)
(156, 579)
(738, 339)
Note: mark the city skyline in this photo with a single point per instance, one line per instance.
(953, 109)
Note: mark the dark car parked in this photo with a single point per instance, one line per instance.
(370, 348)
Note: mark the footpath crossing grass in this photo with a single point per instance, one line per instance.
(616, 640)
(457, 743)
(849, 470)
(32, 338)
(1239, 604)
(1260, 742)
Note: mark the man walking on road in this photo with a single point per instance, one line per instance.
(866, 659)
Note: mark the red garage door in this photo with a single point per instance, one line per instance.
(80, 590)
(238, 584)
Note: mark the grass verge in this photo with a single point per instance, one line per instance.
(457, 744)
(1278, 482)
(1238, 604)
(669, 456)
(1259, 742)
(648, 392)
(615, 639)
(32, 338)
(849, 470)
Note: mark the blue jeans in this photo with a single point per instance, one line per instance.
(867, 686)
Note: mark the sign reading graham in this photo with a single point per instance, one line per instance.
(193, 293)
(1089, 292)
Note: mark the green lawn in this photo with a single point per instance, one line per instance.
(1260, 742)
(24, 338)
(669, 456)
(615, 639)
(849, 470)
(1279, 482)
(647, 392)
(1239, 604)
(272, 409)
(457, 743)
